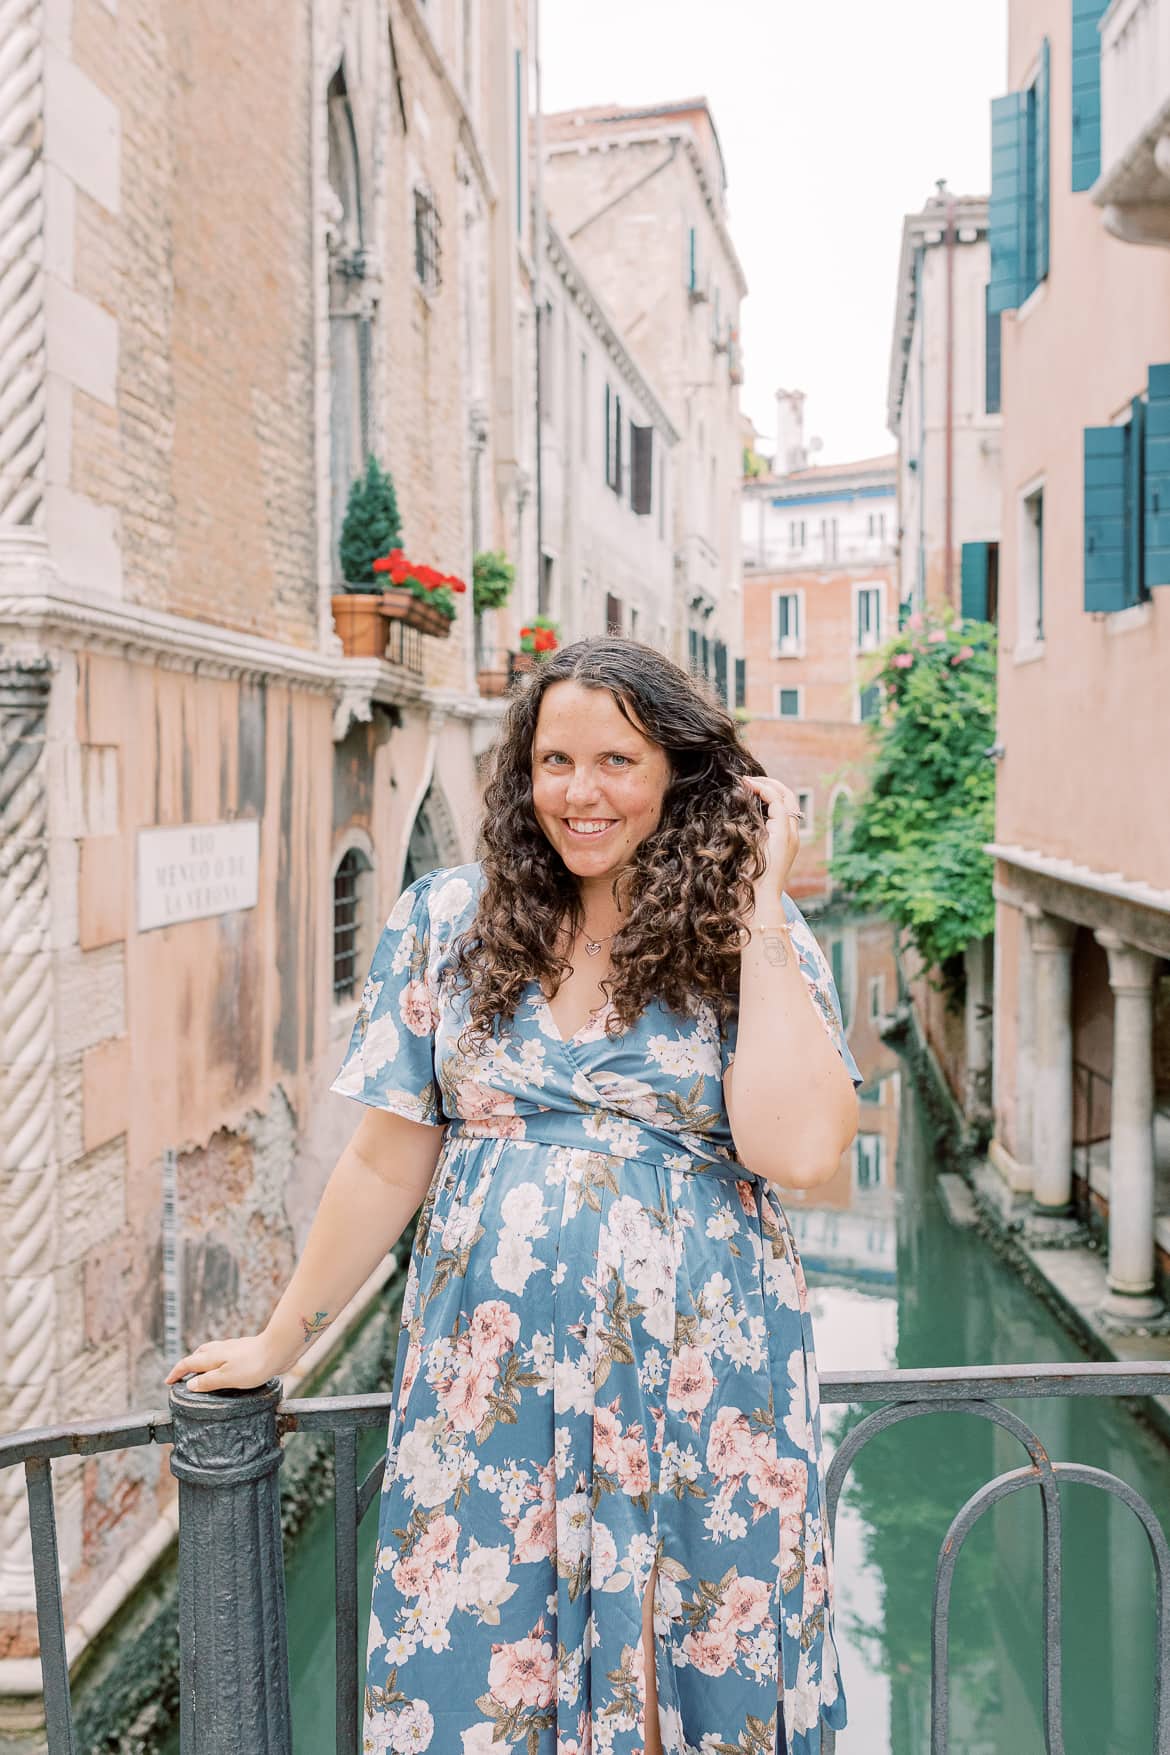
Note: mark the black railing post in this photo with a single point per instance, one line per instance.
(233, 1644)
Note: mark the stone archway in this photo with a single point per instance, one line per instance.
(434, 840)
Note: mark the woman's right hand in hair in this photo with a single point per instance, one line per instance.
(246, 1362)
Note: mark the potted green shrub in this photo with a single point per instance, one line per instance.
(493, 576)
(370, 529)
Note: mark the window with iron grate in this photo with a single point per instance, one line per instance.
(427, 245)
(346, 924)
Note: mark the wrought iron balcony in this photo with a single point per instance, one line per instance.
(1134, 185)
(227, 1450)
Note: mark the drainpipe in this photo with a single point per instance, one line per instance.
(538, 243)
(949, 541)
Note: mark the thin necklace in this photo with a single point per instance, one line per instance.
(593, 945)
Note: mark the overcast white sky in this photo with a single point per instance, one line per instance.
(836, 118)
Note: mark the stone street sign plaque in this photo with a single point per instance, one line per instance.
(196, 871)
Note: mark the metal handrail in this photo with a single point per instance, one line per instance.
(227, 1451)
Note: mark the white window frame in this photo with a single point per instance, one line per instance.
(871, 642)
(806, 804)
(795, 543)
(1030, 572)
(790, 688)
(793, 645)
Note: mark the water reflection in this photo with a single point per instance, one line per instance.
(894, 1284)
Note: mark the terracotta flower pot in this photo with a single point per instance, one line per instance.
(493, 682)
(400, 604)
(524, 661)
(357, 616)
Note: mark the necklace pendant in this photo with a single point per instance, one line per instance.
(592, 946)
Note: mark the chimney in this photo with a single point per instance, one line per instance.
(791, 452)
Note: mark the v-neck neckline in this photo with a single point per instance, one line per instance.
(573, 1041)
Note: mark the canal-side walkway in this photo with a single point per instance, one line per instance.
(1061, 1260)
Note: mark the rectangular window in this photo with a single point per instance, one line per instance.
(876, 527)
(869, 702)
(804, 804)
(720, 657)
(877, 995)
(829, 538)
(544, 587)
(613, 613)
(346, 926)
(1030, 615)
(796, 534)
(613, 440)
(427, 247)
(869, 617)
(740, 681)
(869, 1150)
(788, 703)
(641, 460)
(787, 634)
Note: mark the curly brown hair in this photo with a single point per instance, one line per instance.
(685, 892)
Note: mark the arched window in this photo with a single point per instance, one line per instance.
(351, 923)
(840, 811)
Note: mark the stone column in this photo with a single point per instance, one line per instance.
(1131, 1145)
(1025, 1039)
(22, 298)
(1052, 1100)
(27, 1158)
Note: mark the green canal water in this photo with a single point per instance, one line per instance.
(892, 1283)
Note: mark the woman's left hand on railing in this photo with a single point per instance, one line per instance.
(245, 1362)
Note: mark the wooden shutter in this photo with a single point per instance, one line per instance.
(1086, 92)
(973, 577)
(1040, 167)
(1005, 211)
(1156, 485)
(1106, 459)
(613, 613)
(992, 357)
(642, 450)
(617, 445)
(740, 681)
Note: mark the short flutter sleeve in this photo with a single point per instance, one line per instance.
(814, 966)
(390, 1062)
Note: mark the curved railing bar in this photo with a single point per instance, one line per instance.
(962, 1524)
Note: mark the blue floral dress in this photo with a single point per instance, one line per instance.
(606, 1359)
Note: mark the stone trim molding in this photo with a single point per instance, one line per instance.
(23, 370)
(1139, 911)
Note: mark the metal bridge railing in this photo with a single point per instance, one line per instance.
(227, 1450)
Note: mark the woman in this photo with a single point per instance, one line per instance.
(594, 1053)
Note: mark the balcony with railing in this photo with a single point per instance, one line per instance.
(1134, 185)
(226, 1453)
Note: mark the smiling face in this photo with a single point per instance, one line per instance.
(597, 781)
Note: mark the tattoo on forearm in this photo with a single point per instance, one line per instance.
(314, 1327)
(776, 946)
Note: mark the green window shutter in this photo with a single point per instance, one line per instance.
(1156, 485)
(1040, 168)
(1086, 92)
(693, 648)
(1106, 469)
(1005, 213)
(992, 356)
(740, 681)
(1135, 535)
(973, 577)
(721, 671)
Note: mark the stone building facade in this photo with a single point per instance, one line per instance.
(944, 409)
(239, 251)
(638, 195)
(819, 599)
(1082, 835)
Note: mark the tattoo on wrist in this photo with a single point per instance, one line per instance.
(776, 945)
(314, 1327)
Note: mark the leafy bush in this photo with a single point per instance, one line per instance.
(913, 848)
(492, 578)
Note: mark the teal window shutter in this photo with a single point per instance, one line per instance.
(992, 356)
(740, 681)
(973, 580)
(1005, 214)
(1156, 486)
(1086, 92)
(1106, 471)
(1039, 204)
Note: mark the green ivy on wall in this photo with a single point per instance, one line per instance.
(913, 847)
